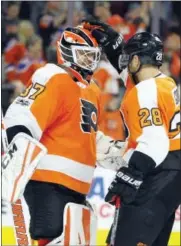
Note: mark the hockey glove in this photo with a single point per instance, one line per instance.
(128, 179)
(111, 41)
(125, 186)
(109, 152)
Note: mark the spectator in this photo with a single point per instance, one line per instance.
(137, 19)
(171, 65)
(120, 25)
(54, 15)
(78, 16)
(102, 11)
(10, 21)
(15, 49)
(32, 61)
(25, 31)
(117, 22)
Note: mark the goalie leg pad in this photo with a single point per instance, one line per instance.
(80, 226)
(18, 165)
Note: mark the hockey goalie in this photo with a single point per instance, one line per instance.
(52, 130)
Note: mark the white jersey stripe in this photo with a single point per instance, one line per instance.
(153, 137)
(66, 166)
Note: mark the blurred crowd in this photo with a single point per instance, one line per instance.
(30, 31)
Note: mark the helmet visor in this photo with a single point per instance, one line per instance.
(124, 60)
(86, 57)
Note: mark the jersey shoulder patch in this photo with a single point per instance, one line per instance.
(45, 73)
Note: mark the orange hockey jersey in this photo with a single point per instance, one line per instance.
(107, 79)
(151, 112)
(113, 125)
(63, 116)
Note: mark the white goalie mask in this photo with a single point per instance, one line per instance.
(78, 50)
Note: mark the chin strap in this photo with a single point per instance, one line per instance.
(81, 74)
(133, 74)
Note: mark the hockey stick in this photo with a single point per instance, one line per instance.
(115, 222)
(20, 229)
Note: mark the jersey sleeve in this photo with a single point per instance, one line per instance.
(147, 124)
(96, 89)
(40, 104)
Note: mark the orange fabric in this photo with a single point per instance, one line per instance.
(62, 121)
(129, 84)
(175, 144)
(19, 223)
(22, 170)
(11, 74)
(74, 37)
(168, 112)
(115, 20)
(67, 229)
(86, 219)
(48, 121)
(14, 53)
(43, 242)
(113, 125)
(36, 151)
(128, 30)
(131, 100)
(175, 65)
(25, 74)
(78, 39)
(60, 178)
(130, 108)
(101, 76)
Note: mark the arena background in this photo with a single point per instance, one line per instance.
(29, 31)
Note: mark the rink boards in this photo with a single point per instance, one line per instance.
(105, 212)
(9, 239)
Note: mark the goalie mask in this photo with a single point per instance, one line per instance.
(78, 51)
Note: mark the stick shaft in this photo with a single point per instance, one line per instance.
(115, 222)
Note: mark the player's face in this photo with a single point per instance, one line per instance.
(88, 59)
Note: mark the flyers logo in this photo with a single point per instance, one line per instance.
(88, 116)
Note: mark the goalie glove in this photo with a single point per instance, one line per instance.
(111, 41)
(109, 152)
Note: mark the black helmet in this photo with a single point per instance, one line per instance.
(147, 46)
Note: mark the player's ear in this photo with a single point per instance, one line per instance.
(135, 61)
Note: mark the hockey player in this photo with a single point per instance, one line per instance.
(149, 187)
(58, 115)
